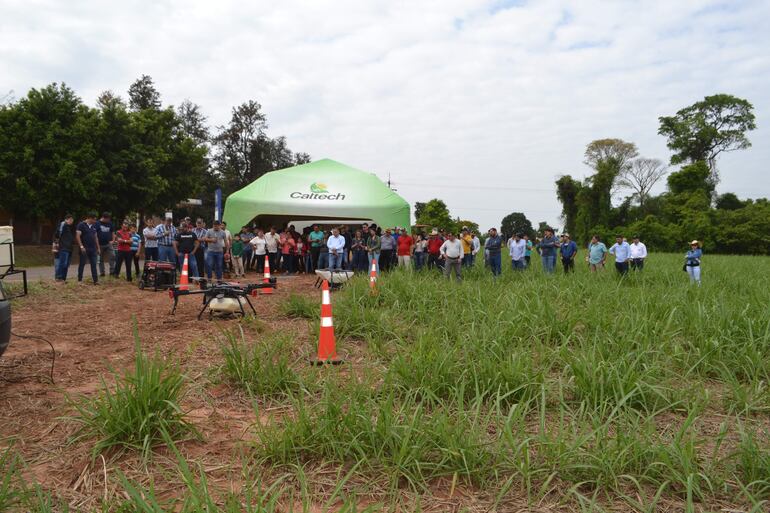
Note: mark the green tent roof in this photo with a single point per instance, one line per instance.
(324, 189)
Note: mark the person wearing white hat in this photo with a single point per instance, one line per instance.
(692, 262)
(434, 250)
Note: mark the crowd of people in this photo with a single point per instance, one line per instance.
(215, 251)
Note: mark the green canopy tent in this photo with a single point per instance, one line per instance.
(318, 191)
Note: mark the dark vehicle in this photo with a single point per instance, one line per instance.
(5, 321)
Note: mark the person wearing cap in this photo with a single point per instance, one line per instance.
(434, 249)
(63, 239)
(165, 233)
(547, 247)
(387, 249)
(452, 254)
(150, 240)
(638, 254)
(216, 243)
(405, 244)
(517, 248)
(622, 252)
(467, 241)
(106, 232)
(87, 240)
(186, 243)
(568, 251)
(692, 262)
(123, 238)
(493, 245)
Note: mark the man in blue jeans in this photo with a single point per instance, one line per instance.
(165, 234)
(568, 253)
(86, 235)
(548, 250)
(622, 252)
(106, 233)
(63, 239)
(493, 245)
(336, 245)
(216, 244)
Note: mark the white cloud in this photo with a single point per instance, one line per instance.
(486, 103)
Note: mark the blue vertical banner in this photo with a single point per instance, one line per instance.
(218, 205)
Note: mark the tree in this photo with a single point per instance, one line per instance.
(542, 226)
(567, 190)
(142, 94)
(516, 222)
(691, 178)
(244, 152)
(193, 122)
(615, 152)
(48, 160)
(472, 227)
(729, 201)
(435, 213)
(418, 209)
(641, 176)
(707, 128)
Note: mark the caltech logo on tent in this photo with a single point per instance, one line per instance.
(317, 191)
(319, 188)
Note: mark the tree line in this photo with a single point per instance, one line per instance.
(690, 207)
(125, 155)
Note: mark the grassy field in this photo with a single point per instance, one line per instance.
(583, 392)
(33, 256)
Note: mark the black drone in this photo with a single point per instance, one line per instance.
(224, 299)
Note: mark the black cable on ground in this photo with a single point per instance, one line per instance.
(53, 350)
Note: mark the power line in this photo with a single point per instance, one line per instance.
(484, 187)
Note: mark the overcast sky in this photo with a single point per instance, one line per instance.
(482, 104)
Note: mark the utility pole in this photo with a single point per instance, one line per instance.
(389, 184)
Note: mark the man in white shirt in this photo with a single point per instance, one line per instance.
(638, 254)
(271, 243)
(150, 241)
(452, 254)
(517, 248)
(336, 245)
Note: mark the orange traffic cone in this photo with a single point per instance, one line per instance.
(267, 290)
(373, 278)
(184, 280)
(327, 351)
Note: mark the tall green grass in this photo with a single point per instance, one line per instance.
(600, 382)
(262, 368)
(143, 403)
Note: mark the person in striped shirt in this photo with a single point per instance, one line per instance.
(165, 234)
(200, 255)
(136, 247)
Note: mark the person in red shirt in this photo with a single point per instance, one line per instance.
(405, 247)
(289, 254)
(123, 237)
(434, 250)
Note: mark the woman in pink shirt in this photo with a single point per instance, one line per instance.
(289, 253)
